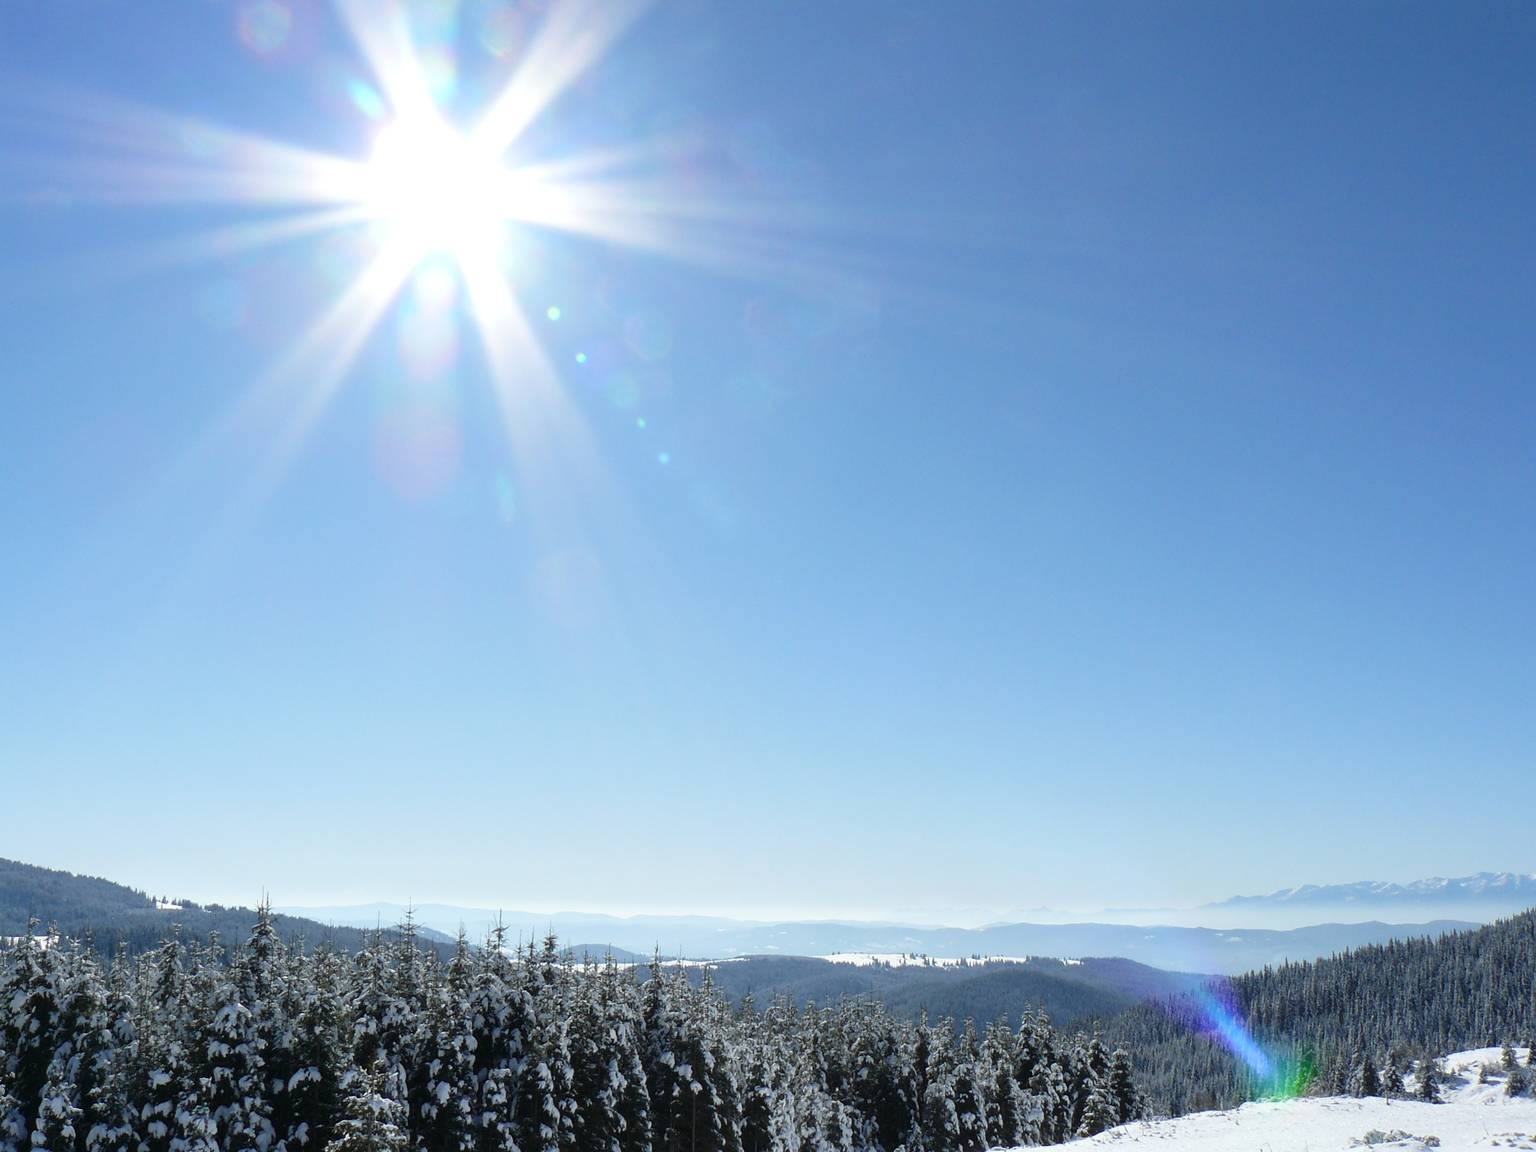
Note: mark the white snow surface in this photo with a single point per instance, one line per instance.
(1471, 1116)
(916, 960)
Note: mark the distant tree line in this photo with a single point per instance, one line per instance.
(198, 1048)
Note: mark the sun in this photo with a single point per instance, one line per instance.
(435, 191)
(438, 189)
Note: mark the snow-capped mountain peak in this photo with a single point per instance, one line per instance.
(1515, 889)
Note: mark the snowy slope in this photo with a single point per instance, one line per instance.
(1472, 1116)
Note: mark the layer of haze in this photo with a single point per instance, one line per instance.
(1122, 493)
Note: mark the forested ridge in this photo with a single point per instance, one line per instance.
(116, 916)
(1075, 993)
(197, 1048)
(1332, 1026)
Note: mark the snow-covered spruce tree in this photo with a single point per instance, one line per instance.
(109, 1121)
(597, 1083)
(702, 1113)
(1515, 1082)
(1099, 1111)
(941, 1120)
(310, 1097)
(620, 1007)
(766, 1083)
(373, 1118)
(271, 992)
(1507, 1058)
(162, 1065)
(821, 1125)
(1365, 1080)
(58, 1111)
(447, 1047)
(554, 1040)
(79, 1036)
(29, 999)
(232, 1068)
(1048, 1089)
(12, 1136)
(1087, 1077)
(502, 1015)
(612, 1101)
(1428, 1073)
(365, 999)
(536, 1108)
(970, 1105)
(1392, 1077)
(881, 1086)
(1122, 1086)
(1006, 1102)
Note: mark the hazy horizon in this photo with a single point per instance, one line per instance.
(1207, 914)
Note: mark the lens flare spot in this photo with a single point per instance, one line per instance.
(365, 99)
(265, 26)
(623, 391)
(648, 335)
(435, 287)
(429, 344)
(200, 141)
(440, 69)
(569, 588)
(416, 450)
(506, 499)
(221, 306)
(553, 312)
(502, 32)
(663, 457)
(581, 357)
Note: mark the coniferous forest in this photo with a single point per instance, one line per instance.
(1350, 1024)
(200, 1048)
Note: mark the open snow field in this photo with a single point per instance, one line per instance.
(1472, 1116)
(919, 960)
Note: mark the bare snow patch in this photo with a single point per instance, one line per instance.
(922, 960)
(1471, 1116)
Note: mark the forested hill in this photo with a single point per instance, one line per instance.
(1070, 992)
(1321, 1021)
(114, 915)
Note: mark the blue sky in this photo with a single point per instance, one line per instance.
(1088, 458)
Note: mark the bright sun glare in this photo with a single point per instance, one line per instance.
(435, 190)
(433, 199)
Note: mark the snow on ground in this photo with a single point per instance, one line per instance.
(1472, 1116)
(44, 942)
(917, 960)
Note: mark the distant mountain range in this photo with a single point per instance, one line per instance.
(1514, 890)
(1340, 918)
(1180, 949)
